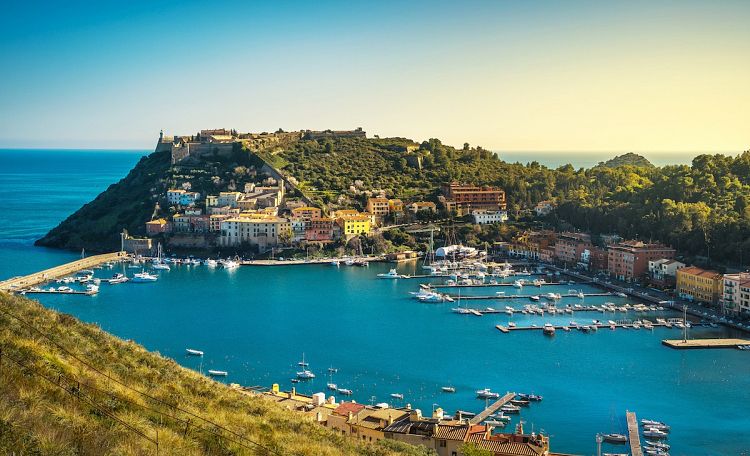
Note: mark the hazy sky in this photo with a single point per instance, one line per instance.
(525, 75)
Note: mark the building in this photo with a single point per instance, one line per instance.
(395, 207)
(628, 260)
(419, 206)
(463, 198)
(598, 259)
(354, 225)
(228, 199)
(529, 244)
(259, 230)
(489, 217)
(663, 272)
(189, 198)
(543, 208)
(307, 212)
(158, 226)
(701, 285)
(378, 207)
(299, 226)
(736, 293)
(211, 201)
(214, 222)
(573, 248)
(320, 229)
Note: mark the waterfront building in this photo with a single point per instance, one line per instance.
(257, 230)
(736, 293)
(598, 259)
(570, 248)
(529, 244)
(663, 272)
(320, 229)
(418, 206)
(299, 226)
(463, 198)
(378, 207)
(482, 217)
(214, 222)
(701, 285)
(158, 226)
(628, 260)
(354, 225)
(307, 212)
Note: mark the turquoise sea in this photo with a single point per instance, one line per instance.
(256, 323)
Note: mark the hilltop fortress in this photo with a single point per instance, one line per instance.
(223, 142)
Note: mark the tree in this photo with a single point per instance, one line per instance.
(470, 449)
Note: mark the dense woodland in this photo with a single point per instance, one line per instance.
(703, 209)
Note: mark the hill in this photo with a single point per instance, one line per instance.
(70, 388)
(629, 159)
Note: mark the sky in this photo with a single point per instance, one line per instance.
(505, 75)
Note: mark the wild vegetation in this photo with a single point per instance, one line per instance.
(70, 388)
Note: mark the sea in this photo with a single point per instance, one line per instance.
(258, 322)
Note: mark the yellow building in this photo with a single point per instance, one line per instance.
(378, 206)
(395, 206)
(355, 225)
(700, 285)
(307, 213)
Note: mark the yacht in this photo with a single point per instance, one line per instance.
(511, 324)
(143, 276)
(392, 274)
(518, 284)
(510, 408)
(211, 263)
(487, 394)
(398, 396)
(160, 266)
(534, 298)
(615, 438)
(217, 373)
(229, 264)
(305, 373)
(332, 386)
(548, 329)
(158, 263)
(344, 391)
(192, 352)
(580, 295)
(654, 434)
(92, 289)
(621, 295)
(448, 389)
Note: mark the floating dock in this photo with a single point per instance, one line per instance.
(506, 329)
(494, 407)
(680, 344)
(482, 285)
(72, 292)
(567, 295)
(634, 435)
(18, 283)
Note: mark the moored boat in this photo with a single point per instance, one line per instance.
(217, 373)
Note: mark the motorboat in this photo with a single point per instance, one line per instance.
(392, 274)
(305, 374)
(518, 284)
(398, 396)
(192, 352)
(615, 438)
(510, 408)
(335, 263)
(344, 391)
(333, 370)
(217, 373)
(658, 445)
(645, 422)
(92, 289)
(655, 434)
(160, 266)
(211, 263)
(448, 389)
(432, 297)
(229, 264)
(63, 289)
(621, 295)
(548, 329)
(118, 278)
(487, 394)
(580, 295)
(520, 402)
(143, 277)
(530, 397)
(332, 386)
(534, 298)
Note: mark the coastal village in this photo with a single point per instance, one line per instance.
(262, 215)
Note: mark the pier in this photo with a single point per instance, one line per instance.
(507, 329)
(634, 436)
(680, 344)
(518, 296)
(528, 285)
(16, 283)
(494, 407)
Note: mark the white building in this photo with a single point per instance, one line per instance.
(228, 199)
(663, 268)
(543, 208)
(299, 225)
(174, 195)
(736, 293)
(261, 231)
(488, 217)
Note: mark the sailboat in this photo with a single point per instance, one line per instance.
(429, 257)
(158, 262)
(305, 373)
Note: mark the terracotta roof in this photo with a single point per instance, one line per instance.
(459, 432)
(347, 407)
(505, 447)
(694, 270)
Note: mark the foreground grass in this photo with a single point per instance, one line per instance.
(53, 401)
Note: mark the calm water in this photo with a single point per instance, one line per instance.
(256, 322)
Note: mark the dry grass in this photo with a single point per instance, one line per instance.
(54, 404)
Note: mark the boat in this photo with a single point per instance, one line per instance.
(392, 274)
(344, 391)
(432, 297)
(305, 373)
(143, 277)
(118, 278)
(229, 264)
(63, 289)
(332, 386)
(615, 438)
(645, 422)
(158, 263)
(160, 266)
(518, 284)
(534, 298)
(211, 263)
(510, 408)
(217, 373)
(530, 397)
(448, 389)
(655, 434)
(333, 370)
(548, 329)
(520, 402)
(494, 423)
(511, 324)
(621, 295)
(659, 445)
(192, 352)
(335, 263)
(92, 289)
(487, 394)
(580, 295)
(397, 396)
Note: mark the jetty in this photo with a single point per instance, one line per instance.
(486, 285)
(506, 329)
(634, 436)
(494, 407)
(17, 283)
(519, 296)
(682, 344)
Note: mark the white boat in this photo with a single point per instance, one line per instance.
(211, 263)
(92, 289)
(160, 266)
(118, 278)
(645, 422)
(511, 324)
(621, 295)
(143, 277)
(63, 289)
(335, 263)
(487, 394)
(332, 386)
(518, 284)
(305, 373)
(615, 438)
(192, 352)
(510, 408)
(392, 274)
(344, 391)
(655, 434)
(158, 263)
(534, 298)
(398, 396)
(448, 389)
(229, 264)
(548, 329)
(580, 295)
(217, 373)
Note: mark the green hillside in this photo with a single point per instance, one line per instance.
(68, 388)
